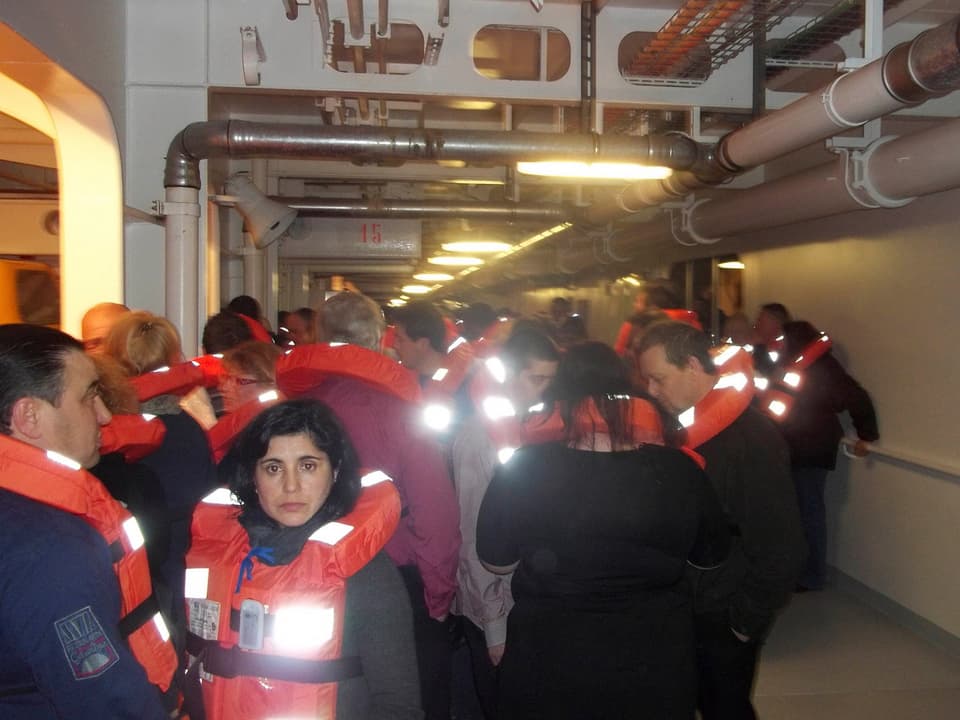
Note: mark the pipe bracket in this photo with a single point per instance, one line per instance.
(856, 177)
(681, 223)
(167, 207)
(835, 117)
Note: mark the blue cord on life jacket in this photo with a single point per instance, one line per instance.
(264, 554)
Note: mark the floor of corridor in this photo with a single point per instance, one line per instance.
(832, 657)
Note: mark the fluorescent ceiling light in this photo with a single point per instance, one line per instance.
(416, 289)
(471, 104)
(432, 277)
(476, 246)
(731, 265)
(631, 280)
(397, 302)
(457, 260)
(595, 171)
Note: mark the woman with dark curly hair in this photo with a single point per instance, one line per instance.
(599, 528)
(293, 609)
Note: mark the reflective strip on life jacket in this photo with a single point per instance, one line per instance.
(222, 435)
(727, 400)
(446, 381)
(52, 479)
(780, 394)
(288, 618)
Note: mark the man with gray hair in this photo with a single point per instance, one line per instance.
(388, 435)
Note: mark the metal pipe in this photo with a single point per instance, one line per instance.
(895, 171)
(182, 257)
(588, 83)
(926, 67)
(911, 73)
(240, 138)
(355, 18)
(380, 208)
(383, 18)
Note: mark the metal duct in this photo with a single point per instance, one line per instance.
(240, 138)
(381, 208)
(909, 74)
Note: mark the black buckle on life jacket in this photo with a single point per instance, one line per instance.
(233, 662)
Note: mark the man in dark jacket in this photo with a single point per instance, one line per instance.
(813, 432)
(747, 462)
(62, 652)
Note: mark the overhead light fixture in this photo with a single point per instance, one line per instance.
(397, 302)
(416, 289)
(433, 277)
(731, 265)
(476, 246)
(455, 260)
(631, 280)
(595, 171)
(470, 104)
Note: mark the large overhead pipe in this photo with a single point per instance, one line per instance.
(909, 74)
(382, 208)
(243, 139)
(893, 172)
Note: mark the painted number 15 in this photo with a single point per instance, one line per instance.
(371, 233)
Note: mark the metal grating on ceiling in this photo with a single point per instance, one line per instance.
(701, 36)
(795, 49)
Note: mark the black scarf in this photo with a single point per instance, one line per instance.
(272, 543)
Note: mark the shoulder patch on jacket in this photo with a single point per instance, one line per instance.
(86, 646)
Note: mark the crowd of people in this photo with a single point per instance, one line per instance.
(323, 521)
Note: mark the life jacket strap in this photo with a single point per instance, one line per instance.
(139, 616)
(233, 662)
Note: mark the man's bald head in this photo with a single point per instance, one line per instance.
(97, 322)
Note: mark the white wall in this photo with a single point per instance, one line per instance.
(86, 38)
(883, 284)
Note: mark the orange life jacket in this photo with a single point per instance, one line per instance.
(179, 379)
(222, 435)
(780, 394)
(135, 436)
(60, 482)
(272, 648)
(439, 390)
(305, 366)
(726, 401)
(456, 366)
(542, 425)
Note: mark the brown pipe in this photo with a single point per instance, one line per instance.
(911, 73)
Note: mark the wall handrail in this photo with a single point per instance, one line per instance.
(900, 456)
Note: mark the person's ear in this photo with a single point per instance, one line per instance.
(26, 418)
(694, 364)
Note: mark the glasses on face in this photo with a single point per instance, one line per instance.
(240, 380)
